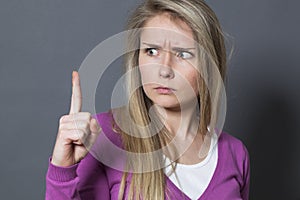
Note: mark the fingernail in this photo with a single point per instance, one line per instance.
(73, 76)
(99, 128)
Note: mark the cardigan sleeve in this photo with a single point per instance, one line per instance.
(84, 180)
(246, 176)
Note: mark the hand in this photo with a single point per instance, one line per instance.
(77, 131)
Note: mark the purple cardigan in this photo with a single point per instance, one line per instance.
(90, 179)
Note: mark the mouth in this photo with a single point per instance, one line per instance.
(164, 90)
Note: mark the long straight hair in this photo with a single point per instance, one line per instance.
(207, 32)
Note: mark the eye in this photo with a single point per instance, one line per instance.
(151, 51)
(184, 55)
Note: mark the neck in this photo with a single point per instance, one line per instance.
(182, 121)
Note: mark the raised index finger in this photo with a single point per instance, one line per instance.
(76, 94)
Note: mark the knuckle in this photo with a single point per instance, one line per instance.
(86, 126)
(93, 121)
(74, 116)
(62, 134)
(75, 120)
(95, 126)
(61, 126)
(62, 118)
(87, 115)
(78, 133)
(76, 124)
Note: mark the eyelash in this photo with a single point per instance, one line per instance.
(177, 54)
(147, 50)
(190, 55)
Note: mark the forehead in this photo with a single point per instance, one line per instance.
(163, 28)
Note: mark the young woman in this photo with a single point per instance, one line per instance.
(168, 129)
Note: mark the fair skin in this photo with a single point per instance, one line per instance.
(76, 131)
(170, 83)
(166, 62)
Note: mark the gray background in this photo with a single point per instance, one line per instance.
(43, 41)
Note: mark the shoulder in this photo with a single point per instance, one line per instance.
(232, 169)
(234, 153)
(233, 150)
(231, 143)
(235, 157)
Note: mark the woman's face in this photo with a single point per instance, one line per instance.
(167, 60)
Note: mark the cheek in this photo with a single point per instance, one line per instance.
(189, 72)
(145, 75)
(146, 87)
(142, 68)
(147, 71)
(192, 80)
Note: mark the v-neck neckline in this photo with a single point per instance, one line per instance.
(214, 178)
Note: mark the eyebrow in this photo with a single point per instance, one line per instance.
(174, 48)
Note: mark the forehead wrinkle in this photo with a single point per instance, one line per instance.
(167, 44)
(161, 39)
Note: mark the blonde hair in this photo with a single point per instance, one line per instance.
(207, 32)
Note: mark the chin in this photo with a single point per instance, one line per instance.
(173, 104)
(170, 106)
(167, 103)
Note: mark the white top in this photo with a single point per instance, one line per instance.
(192, 180)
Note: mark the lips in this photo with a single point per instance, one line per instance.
(164, 90)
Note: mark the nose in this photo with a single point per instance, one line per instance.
(165, 70)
